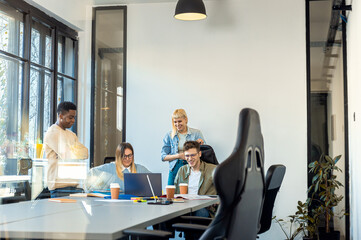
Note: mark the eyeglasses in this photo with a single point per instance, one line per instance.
(190, 155)
(129, 156)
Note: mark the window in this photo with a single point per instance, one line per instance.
(38, 69)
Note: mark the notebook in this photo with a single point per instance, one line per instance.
(137, 184)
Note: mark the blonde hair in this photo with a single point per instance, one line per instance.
(119, 155)
(178, 113)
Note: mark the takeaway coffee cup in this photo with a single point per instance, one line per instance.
(114, 190)
(170, 189)
(183, 188)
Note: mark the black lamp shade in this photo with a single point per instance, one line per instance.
(190, 10)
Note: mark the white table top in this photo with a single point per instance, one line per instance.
(87, 218)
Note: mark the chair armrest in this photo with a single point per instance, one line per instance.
(188, 226)
(197, 220)
(147, 233)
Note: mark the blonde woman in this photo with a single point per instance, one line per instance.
(174, 140)
(99, 178)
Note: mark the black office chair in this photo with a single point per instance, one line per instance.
(109, 159)
(22, 193)
(208, 154)
(274, 180)
(45, 193)
(239, 181)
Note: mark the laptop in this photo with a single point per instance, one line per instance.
(137, 184)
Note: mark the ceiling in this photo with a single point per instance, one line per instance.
(325, 43)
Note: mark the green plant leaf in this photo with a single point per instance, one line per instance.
(336, 159)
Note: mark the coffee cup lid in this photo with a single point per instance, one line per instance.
(114, 185)
(170, 186)
(183, 184)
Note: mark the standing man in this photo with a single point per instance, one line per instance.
(198, 175)
(62, 144)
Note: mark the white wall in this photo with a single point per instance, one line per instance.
(246, 54)
(354, 86)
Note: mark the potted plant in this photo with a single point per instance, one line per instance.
(323, 195)
(292, 232)
(299, 223)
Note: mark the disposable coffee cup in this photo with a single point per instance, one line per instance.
(170, 189)
(114, 190)
(183, 188)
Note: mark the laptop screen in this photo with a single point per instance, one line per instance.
(137, 184)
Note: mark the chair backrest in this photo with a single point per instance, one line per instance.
(109, 159)
(274, 180)
(208, 155)
(239, 181)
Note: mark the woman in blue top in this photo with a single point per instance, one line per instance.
(173, 141)
(99, 178)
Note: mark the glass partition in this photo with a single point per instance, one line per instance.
(326, 96)
(109, 81)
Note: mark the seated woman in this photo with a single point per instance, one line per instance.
(100, 178)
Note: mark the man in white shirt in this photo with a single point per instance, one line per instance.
(62, 144)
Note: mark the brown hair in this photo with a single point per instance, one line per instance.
(192, 144)
(119, 155)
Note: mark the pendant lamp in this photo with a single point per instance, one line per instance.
(189, 10)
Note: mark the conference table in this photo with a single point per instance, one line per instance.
(87, 218)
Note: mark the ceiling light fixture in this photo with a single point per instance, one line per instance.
(190, 10)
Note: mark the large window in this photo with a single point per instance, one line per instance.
(38, 69)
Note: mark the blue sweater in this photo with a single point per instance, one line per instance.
(100, 178)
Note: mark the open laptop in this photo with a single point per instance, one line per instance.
(137, 184)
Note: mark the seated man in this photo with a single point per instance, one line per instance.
(198, 175)
(62, 144)
(100, 178)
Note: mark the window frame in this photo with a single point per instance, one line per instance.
(57, 30)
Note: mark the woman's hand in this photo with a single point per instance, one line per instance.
(201, 142)
(181, 156)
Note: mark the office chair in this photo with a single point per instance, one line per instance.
(109, 159)
(239, 181)
(45, 193)
(145, 234)
(208, 154)
(22, 193)
(274, 178)
(13, 199)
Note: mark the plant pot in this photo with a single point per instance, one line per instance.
(333, 235)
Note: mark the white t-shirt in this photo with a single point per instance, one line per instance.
(182, 140)
(64, 145)
(193, 183)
